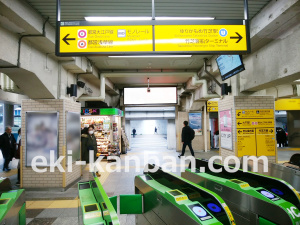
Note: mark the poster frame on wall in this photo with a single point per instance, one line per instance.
(27, 121)
(78, 152)
(229, 143)
(197, 131)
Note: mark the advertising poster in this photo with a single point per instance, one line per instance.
(41, 135)
(195, 122)
(73, 134)
(226, 129)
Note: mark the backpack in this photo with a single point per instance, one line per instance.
(192, 133)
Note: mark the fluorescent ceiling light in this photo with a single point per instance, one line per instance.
(126, 18)
(101, 18)
(150, 56)
(184, 18)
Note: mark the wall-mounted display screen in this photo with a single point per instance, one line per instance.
(153, 95)
(73, 134)
(41, 135)
(229, 65)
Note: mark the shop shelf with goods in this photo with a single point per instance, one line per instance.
(106, 130)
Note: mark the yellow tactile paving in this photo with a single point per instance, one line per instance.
(282, 161)
(8, 174)
(28, 203)
(288, 149)
(58, 204)
(39, 205)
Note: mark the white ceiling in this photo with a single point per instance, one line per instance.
(78, 9)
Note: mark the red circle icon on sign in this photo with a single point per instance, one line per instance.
(82, 33)
(82, 44)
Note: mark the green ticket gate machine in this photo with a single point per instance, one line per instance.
(169, 199)
(12, 204)
(253, 198)
(95, 208)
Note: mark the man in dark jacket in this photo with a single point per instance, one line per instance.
(8, 147)
(187, 135)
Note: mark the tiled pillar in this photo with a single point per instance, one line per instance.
(234, 103)
(56, 179)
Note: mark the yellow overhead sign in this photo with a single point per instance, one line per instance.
(254, 113)
(83, 39)
(212, 109)
(287, 104)
(254, 123)
(212, 103)
(189, 38)
(246, 144)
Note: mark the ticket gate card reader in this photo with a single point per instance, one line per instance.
(12, 204)
(253, 198)
(169, 199)
(95, 206)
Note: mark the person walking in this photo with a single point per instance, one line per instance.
(187, 135)
(8, 147)
(155, 130)
(133, 132)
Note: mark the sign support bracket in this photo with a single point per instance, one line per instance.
(209, 74)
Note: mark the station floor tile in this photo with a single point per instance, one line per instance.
(50, 213)
(43, 221)
(66, 221)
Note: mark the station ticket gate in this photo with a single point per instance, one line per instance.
(12, 204)
(169, 199)
(253, 198)
(95, 208)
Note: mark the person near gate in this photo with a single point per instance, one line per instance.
(187, 135)
(88, 143)
(8, 147)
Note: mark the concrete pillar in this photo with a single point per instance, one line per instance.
(8, 115)
(128, 130)
(293, 125)
(171, 134)
(247, 126)
(57, 179)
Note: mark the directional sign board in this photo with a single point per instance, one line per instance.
(265, 138)
(254, 123)
(246, 142)
(95, 39)
(255, 113)
(76, 38)
(255, 132)
(207, 38)
(212, 106)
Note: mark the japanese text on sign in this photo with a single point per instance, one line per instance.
(200, 38)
